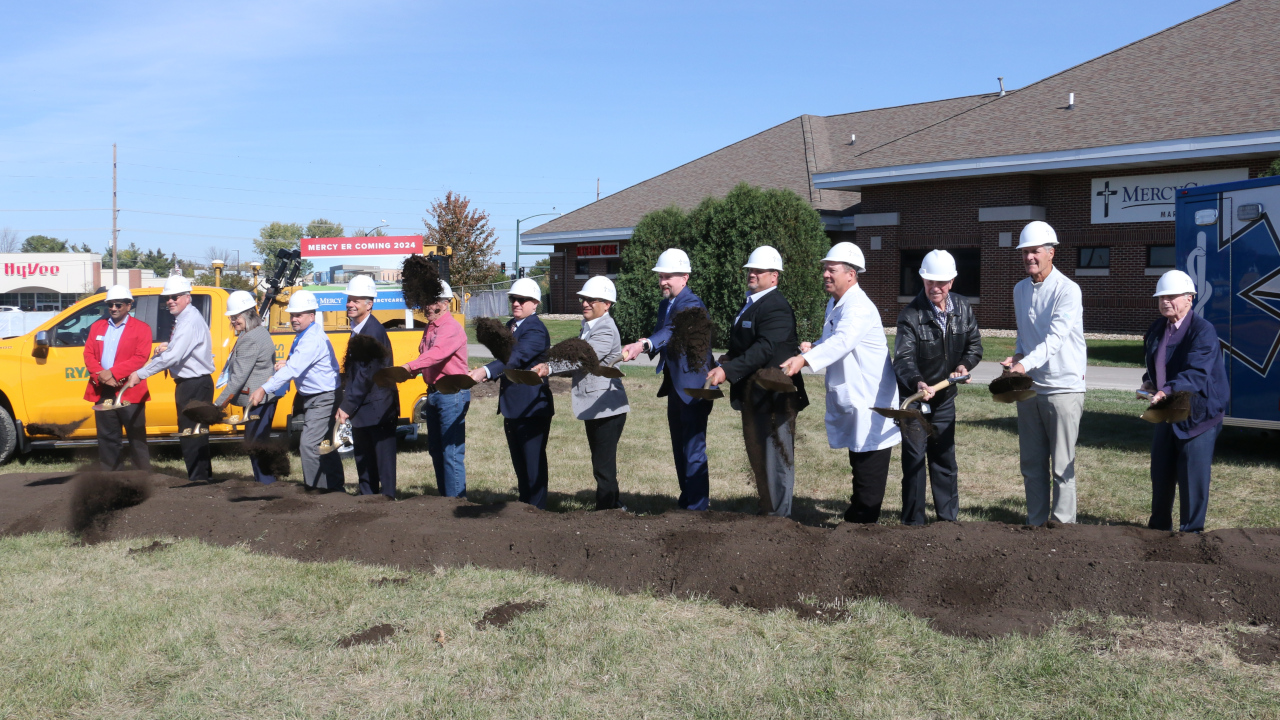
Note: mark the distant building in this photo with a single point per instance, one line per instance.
(344, 273)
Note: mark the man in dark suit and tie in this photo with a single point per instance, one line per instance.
(686, 416)
(764, 336)
(372, 410)
(526, 409)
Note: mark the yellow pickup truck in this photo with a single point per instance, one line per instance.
(43, 377)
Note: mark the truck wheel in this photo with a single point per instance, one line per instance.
(8, 436)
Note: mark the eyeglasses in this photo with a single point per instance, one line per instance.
(516, 299)
(593, 301)
(168, 298)
(118, 304)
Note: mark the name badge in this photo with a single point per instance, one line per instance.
(746, 323)
(102, 337)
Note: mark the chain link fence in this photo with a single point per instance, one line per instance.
(490, 300)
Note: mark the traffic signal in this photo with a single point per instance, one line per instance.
(521, 271)
(504, 267)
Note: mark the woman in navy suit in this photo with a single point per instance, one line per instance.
(1183, 354)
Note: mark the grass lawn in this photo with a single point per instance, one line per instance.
(559, 329)
(201, 631)
(1111, 353)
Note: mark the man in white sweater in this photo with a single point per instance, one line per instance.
(1051, 350)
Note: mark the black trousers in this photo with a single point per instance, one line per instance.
(527, 441)
(112, 426)
(602, 437)
(375, 451)
(870, 473)
(938, 453)
(195, 449)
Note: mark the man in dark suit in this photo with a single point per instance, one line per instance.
(686, 416)
(764, 336)
(526, 409)
(371, 410)
(1183, 355)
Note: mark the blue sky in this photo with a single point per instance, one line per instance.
(231, 114)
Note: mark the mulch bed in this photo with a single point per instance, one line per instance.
(977, 579)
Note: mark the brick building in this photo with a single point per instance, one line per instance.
(1096, 151)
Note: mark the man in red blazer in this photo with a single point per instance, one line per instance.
(118, 346)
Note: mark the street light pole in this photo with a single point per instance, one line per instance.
(520, 252)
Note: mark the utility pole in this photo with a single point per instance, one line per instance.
(597, 189)
(115, 233)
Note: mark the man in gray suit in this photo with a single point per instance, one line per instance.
(599, 401)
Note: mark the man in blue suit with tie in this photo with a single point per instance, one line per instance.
(371, 410)
(526, 409)
(686, 416)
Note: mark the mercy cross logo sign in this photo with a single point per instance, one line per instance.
(1149, 198)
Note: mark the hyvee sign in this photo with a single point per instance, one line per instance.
(339, 246)
(30, 269)
(1148, 198)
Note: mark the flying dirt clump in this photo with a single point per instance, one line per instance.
(420, 282)
(58, 430)
(495, 336)
(272, 457)
(95, 495)
(573, 354)
(362, 349)
(203, 412)
(691, 337)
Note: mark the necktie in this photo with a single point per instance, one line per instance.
(742, 312)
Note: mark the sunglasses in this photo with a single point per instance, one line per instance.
(117, 304)
(593, 301)
(167, 298)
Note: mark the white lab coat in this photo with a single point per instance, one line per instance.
(855, 354)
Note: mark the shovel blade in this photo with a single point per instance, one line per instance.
(705, 393)
(391, 376)
(608, 372)
(452, 384)
(523, 377)
(1013, 396)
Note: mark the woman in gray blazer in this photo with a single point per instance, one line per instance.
(599, 401)
(250, 365)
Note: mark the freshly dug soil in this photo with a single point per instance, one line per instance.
(496, 337)
(419, 282)
(692, 333)
(502, 615)
(58, 430)
(203, 412)
(574, 351)
(375, 634)
(977, 579)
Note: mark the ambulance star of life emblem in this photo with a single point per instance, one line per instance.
(1256, 307)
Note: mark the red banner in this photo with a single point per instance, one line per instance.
(338, 246)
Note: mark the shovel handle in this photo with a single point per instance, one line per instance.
(707, 385)
(940, 385)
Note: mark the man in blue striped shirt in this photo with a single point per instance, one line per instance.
(313, 368)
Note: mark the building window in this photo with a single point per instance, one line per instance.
(612, 267)
(1161, 257)
(968, 266)
(1095, 257)
(582, 267)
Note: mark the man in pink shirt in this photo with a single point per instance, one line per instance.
(443, 351)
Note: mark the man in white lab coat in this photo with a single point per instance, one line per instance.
(854, 352)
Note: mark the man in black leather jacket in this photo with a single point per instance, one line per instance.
(937, 338)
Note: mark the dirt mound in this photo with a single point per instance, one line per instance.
(502, 615)
(978, 579)
(147, 549)
(96, 495)
(373, 635)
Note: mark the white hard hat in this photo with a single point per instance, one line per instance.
(119, 292)
(1037, 233)
(302, 301)
(1175, 282)
(176, 285)
(938, 266)
(526, 287)
(847, 252)
(673, 261)
(362, 286)
(239, 302)
(600, 288)
(446, 292)
(764, 258)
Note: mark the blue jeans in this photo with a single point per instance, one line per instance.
(447, 440)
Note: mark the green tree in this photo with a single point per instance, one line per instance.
(718, 235)
(376, 232)
(322, 228)
(278, 236)
(638, 291)
(542, 271)
(44, 244)
(452, 223)
(230, 280)
(1272, 169)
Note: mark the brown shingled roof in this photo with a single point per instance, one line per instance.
(1215, 74)
(784, 156)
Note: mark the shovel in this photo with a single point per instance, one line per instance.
(1171, 409)
(389, 377)
(341, 438)
(1012, 387)
(109, 404)
(705, 392)
(452, 384)
(611, 370)
(523, 377)
(905, 413)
